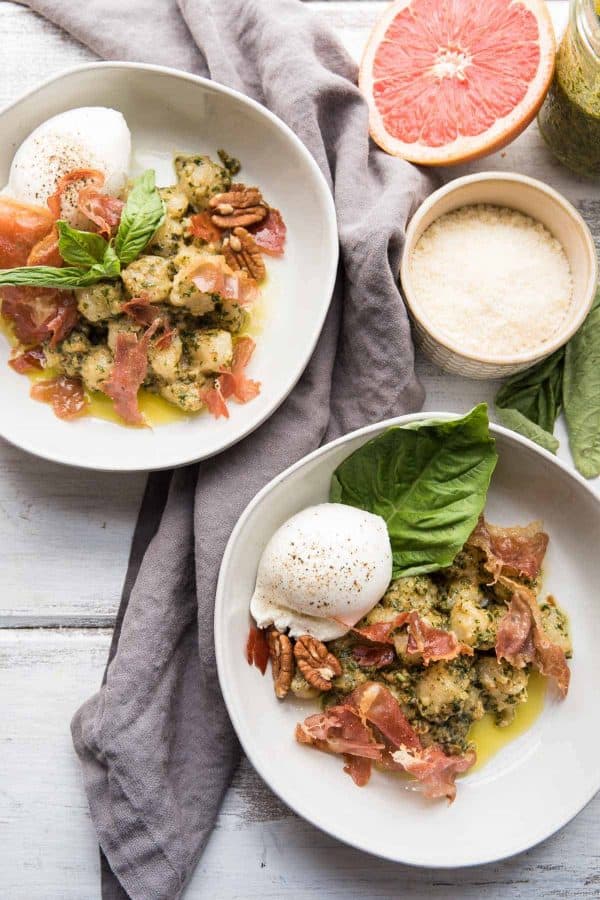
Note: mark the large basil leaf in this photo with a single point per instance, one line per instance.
(142, 215)
(428, 480)
(516, 421)
(537, 392)
(80, 248)
(581, 393)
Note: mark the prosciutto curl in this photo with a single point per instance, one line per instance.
(369, 726)
(517, 551)
(270, 233)
(39, 314)
(65, 395)
(128, 372)
(521, 639)
(212, 275)
(432, 644)
(232, 382)
(100, 209)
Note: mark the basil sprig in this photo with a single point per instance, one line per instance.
(90, 257)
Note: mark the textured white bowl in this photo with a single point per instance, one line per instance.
(534, 785)
(535, 199)
(168, 112)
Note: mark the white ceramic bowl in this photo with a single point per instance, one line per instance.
(534, 785)
(535, 199)
(169, 111)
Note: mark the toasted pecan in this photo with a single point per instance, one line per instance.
(316, 663)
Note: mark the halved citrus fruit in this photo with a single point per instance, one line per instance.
(451, 80)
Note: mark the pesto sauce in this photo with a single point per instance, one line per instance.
(569, 120)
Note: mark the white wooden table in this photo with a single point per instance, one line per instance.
(64, 543)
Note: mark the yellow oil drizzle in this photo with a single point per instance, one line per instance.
(155, 409)
(489, 738)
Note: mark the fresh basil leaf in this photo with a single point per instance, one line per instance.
(428, 480)
(581, 393)
(63, 278)
(80, 248)
(142, 215)
(537, 392)
(516, 421)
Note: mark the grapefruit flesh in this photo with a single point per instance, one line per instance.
(451, 80)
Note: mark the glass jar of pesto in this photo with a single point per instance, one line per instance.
(569, 120)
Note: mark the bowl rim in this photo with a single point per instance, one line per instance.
(220, 606)
(571, 324)
(330, 226)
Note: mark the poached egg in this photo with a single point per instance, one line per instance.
(92, 137)
(322, 571)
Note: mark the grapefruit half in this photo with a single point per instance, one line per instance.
(450, 80)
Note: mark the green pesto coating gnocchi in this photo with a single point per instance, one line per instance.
(200, 178)
(443, 697)
(196, 332)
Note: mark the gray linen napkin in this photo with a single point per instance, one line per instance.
(155, 742)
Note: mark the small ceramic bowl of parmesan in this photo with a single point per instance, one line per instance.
(499, 271)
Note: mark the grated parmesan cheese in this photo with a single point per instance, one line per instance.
(493, 281)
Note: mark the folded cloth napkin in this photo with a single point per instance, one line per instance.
(155, 742)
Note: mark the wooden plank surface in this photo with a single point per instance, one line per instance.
(64, 539)
(258, 849)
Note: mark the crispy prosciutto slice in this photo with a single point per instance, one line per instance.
(370, 725)
(511, 551)
(215, 401)
(378, 706)
(65, 394)
(39, 314)
(81, 188)
(358, 768)
(233, 382)
(270, 233)
(431, 643)
(140, 310)
(434, 769)
(212, 275)
(22, 226)
(104, 211)
(521, 638)
(257, 648)
(201, 226)
(340, 729)
(31, 360)
(128, 373)
(46, 252)
(371, 656)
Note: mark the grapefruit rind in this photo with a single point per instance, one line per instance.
(464, 148)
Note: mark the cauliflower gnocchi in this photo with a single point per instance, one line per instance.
(171, 314)
(435, 643)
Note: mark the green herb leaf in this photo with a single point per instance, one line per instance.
(142, 215)
(516, 421)
(63, 278)
(581, 393)
(428, 480)
(537, 392)
(80, 248)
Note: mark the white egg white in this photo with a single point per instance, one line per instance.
(322, 571)
(92, 137)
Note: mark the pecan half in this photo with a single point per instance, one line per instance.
(243, 253)
(237, 207)
(316, 663)
(282, 661)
